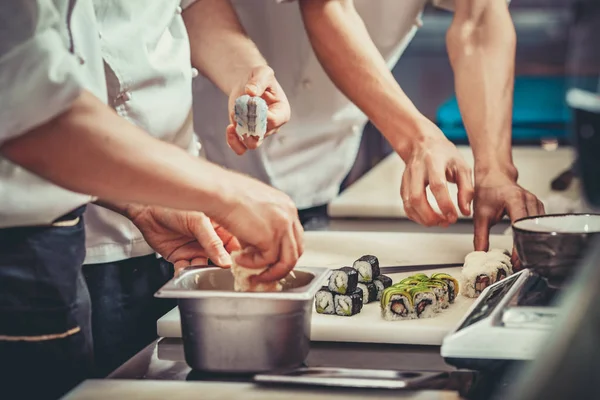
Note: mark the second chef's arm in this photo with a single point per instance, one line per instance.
(481, 45)
(348, 55)
(223, 52)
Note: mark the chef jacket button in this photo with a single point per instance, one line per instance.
(306, 83)
(198, 146)
(124, 96)
(178, 10)
(194, 72)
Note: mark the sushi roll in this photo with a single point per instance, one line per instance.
(382, 282)
(420, 277)
(424, 301)
(324, 301)
(440, 289)
(477, 277)
(453, 287)
(367, 267)
(369, 292)
(343, 280)
(397, 304)
(250, 117)
(350, 304)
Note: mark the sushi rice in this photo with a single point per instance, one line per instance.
(324, 301)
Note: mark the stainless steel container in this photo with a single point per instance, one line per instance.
(232, 332)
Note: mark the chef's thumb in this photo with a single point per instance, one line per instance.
(210, 241)
(259, 81)
(481, 239)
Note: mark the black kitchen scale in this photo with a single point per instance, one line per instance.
(509, 321)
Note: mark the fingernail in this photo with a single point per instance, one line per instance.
(252, 88)
(224, 258)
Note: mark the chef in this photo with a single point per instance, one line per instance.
(59, 139)
(333, 58)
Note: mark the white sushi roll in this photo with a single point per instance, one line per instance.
(347, 305)
(324, 303)
(251, 117)
(242, 279)
(343, 280)
(367, 267)
(477, 278)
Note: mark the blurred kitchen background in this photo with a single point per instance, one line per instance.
(541, 116)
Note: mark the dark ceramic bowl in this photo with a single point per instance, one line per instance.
(554, 245)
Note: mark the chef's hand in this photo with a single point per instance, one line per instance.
(266, 223)
(184, 238)
(435, 161)
(496, 194)
(260, 82)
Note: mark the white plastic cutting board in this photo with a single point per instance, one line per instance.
(337, 249)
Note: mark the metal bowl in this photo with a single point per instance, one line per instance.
(554, 245)
(225, 331)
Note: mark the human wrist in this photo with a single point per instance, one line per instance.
(495, 167)
(411, 133)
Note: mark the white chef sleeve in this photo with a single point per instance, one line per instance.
(38, 75)
(449, 4)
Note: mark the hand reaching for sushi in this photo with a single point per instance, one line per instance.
(262, 83)
(497, 194)
(435, 161)
(184, 238)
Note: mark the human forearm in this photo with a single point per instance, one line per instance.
(481, 44)
(352, 61)
(220, 48)
(90, 149)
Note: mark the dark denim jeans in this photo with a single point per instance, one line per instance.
(124, 309)
(45, 320)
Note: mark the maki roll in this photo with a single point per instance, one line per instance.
(452, 283)
(483, 269)
(397, 304)
(424, 301)
(369, 292)
(343, 280)
(382, 282)
(350, 304)
(367, 267)
(420, 277)
(440, 289)
(324, 301)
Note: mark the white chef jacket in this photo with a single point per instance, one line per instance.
(146, 52)
(49, 53)
(311, 155)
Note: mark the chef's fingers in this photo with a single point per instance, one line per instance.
(481, 239)
(464, 183)
(531, 203)
(253, 257)
(287, 261)
(417, 198)
(540, 208)
(260, 79)
(252, 142)
(230, 242)
(179, 265)
(234, 142)
(516, 263)
(299, 235)
(405, 196)
(439, 188)
(208, 239)
(203, 261)
(278, 114)
(516, 207)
